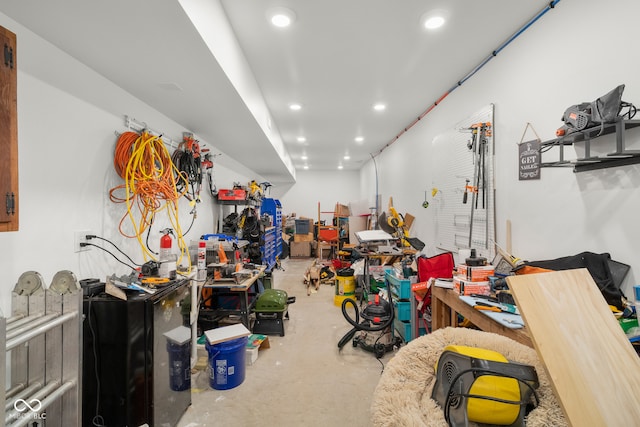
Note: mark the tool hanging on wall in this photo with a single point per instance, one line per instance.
(479, 147)
(188, 163)
(425, 204)
(207, 165)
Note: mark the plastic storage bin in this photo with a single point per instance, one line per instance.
(401, 288)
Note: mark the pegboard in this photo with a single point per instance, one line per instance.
(464, 225)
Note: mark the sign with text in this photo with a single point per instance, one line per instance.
(529, 160)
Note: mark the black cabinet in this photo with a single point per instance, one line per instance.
(129, 374)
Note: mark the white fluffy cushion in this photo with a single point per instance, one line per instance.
(403, 394)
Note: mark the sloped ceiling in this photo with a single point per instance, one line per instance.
(221, 70)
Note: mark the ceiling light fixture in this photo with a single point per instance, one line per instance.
(359, 139)
(434, 22)
(379, 107)
(301, 139)
(340, 167)
(281, 17)
(347, 157)
(434, 19)
(304, 157)
(305, 167)
(295, 107)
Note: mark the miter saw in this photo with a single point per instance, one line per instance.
(394, 224)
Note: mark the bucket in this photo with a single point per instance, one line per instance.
(338, 299)
(179, 365)
(226, 363)
(346, 282)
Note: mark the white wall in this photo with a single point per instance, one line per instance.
(67, 115)
(67, 118)
(326, 187)
(576, 52)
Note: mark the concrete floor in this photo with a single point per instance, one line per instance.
(302, 379)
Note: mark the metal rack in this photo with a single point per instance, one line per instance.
(620, 157)
(42, 339)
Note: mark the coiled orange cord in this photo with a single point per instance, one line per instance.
(144, 163)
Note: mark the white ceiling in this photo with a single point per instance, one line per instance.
(337, 60)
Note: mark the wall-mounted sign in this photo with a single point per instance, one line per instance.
(529, 160)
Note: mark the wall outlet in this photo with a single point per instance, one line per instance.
(80, 237)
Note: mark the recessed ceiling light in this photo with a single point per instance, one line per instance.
(281, 17)
(434, 19)
(295, 107)
(347, 157)
(339, 166)
(301, 139)
(359, 138)
(304, 157)
(434, 22)
(379, 107)
(305, 167)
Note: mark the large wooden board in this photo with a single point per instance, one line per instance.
(592, 366)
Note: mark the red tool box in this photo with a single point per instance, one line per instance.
(234, 194)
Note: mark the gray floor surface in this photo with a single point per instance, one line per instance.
(302, 379)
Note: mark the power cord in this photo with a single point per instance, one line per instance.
(93, 236)
(83, 244)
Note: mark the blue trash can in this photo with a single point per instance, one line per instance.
(179, 365)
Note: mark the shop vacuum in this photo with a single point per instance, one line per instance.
(374, 332)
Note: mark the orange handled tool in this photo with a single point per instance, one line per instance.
(487, 308)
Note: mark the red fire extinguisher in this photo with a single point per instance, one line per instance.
(165, 244)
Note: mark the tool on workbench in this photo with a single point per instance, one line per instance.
(479, 305)
(154, 281)
(395, 225)
(511, 308)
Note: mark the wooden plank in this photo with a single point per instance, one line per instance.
(593, 368)
(227, 333)
(8, 130)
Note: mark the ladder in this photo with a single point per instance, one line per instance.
(43, 340)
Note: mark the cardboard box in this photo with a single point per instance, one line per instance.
(324, 250)
(478, 273)
(467, 287)
(342, 210)
(303, 237)
(300, 249)
(421, 288)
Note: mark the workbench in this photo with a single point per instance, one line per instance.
(446, 305)
(231, 288)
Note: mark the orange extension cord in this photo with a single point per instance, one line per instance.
(144, 163)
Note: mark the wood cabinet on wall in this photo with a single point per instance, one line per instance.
(8, 133)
